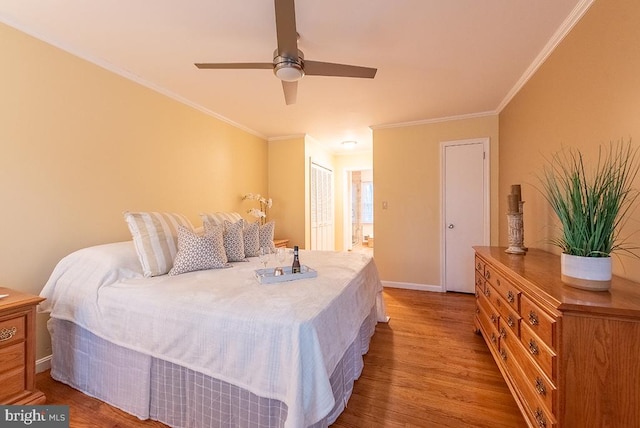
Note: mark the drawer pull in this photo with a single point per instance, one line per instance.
(498, 282)
(479, 266)
(503, 355)
(540, 388)
(533, 318)
(487, 274)
(540, 419)
(494, 339)
(487, 292)
(477, 310)
(503, 332)
(477, 295)
(510, 297)
(494, 318)
(7, 333)
(510, 322)
(533, 347)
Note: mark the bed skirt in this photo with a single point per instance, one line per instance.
(151, 388)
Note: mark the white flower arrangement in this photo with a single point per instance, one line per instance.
(261, 212)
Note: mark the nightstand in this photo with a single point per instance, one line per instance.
(18, 348)
(281, 243)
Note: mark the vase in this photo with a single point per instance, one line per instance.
(587, 273)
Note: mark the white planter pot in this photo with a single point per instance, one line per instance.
(588, 273)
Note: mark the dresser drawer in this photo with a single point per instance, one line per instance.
(480, 265)
(541, 387)
(539, 351)
(540, 323)
(12, 330)
(509, 318)
(506, 289)
(492, 315)
(480, 282)
(529, 386)
(488, 327)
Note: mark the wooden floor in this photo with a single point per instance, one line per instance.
(425, 368)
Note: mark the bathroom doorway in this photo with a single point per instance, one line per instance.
(361, 209)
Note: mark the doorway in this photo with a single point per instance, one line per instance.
(466, 213)
(358, 213)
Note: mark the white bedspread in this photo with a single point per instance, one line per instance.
(279, 341)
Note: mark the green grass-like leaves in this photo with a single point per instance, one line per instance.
(591, 207)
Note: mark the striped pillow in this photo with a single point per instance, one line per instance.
(219, 218)
(155, 237)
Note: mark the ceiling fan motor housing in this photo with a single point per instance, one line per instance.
(287, 68)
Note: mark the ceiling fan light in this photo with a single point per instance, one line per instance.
(289, 72)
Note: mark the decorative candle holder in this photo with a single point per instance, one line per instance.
(516, 234)
(516, 224)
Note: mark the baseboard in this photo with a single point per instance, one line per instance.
(43, 364)
(412, 286)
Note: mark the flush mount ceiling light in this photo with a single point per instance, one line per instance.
(349, 144)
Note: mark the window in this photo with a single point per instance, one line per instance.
(367, 202)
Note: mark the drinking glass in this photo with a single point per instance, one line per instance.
(281, 254)
(264, 255)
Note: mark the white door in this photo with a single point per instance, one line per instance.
(465, 209)
(321, 208)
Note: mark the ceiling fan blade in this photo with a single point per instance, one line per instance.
(318, 68)
(286, 28)
(290, 92)
(235, 65)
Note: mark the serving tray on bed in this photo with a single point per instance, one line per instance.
(268, 276)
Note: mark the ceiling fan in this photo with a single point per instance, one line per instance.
(289, 64)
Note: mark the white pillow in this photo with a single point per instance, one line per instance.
(155, 237)
(199, 252)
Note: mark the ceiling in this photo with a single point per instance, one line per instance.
(436, 59)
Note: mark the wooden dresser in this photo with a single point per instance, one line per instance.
(17, 348)
(570, 357)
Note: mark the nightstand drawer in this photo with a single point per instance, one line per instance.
(12, 330)
(13, 383)
(12, 356)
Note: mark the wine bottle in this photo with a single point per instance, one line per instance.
(295, 268)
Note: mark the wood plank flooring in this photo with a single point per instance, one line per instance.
(425, 368)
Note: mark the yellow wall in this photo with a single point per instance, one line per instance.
(406, 174)
(79, 145)
(287, 188)
(587, 93)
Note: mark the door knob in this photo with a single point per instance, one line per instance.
(451, 226)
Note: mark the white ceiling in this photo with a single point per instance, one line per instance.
(435, 58)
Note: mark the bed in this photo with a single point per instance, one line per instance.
(213, 347)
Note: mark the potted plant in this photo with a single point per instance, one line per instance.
(592, 205)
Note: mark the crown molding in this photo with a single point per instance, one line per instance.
(435, 120)
(576, 14)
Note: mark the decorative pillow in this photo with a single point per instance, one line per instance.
(251, 233)
(266, 235)
(199, 252)
(155, 239)
(219, 217)
(233, 240)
